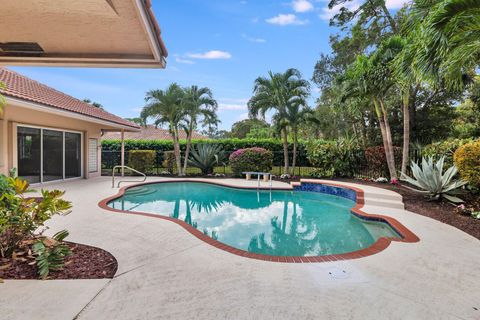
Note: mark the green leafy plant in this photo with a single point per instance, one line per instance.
(206, 157)
(21, 216)
(467, 160)
(251, 159)
(51, 253)
(444, 148)
(431, 179)
(142, 160)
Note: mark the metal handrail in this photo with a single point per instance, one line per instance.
(131, 169)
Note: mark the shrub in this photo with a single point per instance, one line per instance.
(467, 160)
(340, 158)
(111, 148)
(444, 149)
(376, 159)
(51, 253)
(431, 179)
(21, 216)
(169, 161)
(251, 159)
(206, 157)
(142, 160)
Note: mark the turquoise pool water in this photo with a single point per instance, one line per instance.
(280, 223)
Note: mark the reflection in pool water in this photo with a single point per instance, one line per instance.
(281, 223)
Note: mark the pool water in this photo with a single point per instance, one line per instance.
(280, 223)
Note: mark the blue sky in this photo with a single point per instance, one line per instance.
(223, 45)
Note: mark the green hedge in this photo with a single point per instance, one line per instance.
(142, 160)
(228, 145)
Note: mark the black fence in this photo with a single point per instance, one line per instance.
(303, 167)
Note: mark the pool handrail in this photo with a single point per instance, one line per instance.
(131, 169)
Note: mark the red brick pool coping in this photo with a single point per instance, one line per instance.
(380, 245)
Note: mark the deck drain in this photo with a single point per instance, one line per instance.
(337, 273)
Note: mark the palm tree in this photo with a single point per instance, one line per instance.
(279, 92)
(447, 40)
(372, 77)
(199, 107)
(165, 107)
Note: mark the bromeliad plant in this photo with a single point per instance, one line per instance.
(431, 179)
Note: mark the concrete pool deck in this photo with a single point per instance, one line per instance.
(165, 272)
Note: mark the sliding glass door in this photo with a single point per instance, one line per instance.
(48, 155)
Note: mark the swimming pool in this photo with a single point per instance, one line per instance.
(306, 222)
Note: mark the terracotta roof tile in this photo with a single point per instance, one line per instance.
(21, 87)
(149, 133)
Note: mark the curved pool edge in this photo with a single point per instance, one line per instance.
(381, 244)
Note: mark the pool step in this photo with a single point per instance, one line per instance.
(378, 201)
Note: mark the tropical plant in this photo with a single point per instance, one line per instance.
(199, 107)
(467, 160)
(206, 157)
(142, 160)
(251, 159)
(444, 148)
(20, 216)
(446, 44)
(165, 107)
(431, 179)
(286, 94)
(51, 253)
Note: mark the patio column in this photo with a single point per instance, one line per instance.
(122, 161)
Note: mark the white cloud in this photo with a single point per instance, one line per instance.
(302, 5)
(251, 39)
(185, 61)
(211, 55)
(327, 14)
(286, 19)
(395, 4)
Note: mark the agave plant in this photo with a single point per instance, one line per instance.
(206, 157)
(432, 181)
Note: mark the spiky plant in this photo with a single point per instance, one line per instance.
(431, 179)
(206, 156)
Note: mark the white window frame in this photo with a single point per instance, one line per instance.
(15, 150)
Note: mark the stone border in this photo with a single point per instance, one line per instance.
(380, 245)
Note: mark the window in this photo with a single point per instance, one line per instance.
(47, 154)
(92, 155)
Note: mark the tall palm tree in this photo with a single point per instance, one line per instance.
(199, 107)
(165, 107)
(279, 92)
(372, 77)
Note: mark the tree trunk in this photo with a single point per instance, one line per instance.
(285, 151)
(391, 152)
(187, 148)
(406, 131)
(390, 19)
(295, 144)
(386, 143)
(176, 151)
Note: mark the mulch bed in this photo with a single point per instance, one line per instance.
(438, 210)
(86, 262)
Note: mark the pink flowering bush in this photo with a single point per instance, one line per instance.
(251, 159)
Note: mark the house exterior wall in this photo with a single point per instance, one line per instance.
(15, 115)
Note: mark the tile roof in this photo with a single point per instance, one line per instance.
(20, 87)
(150, 133)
